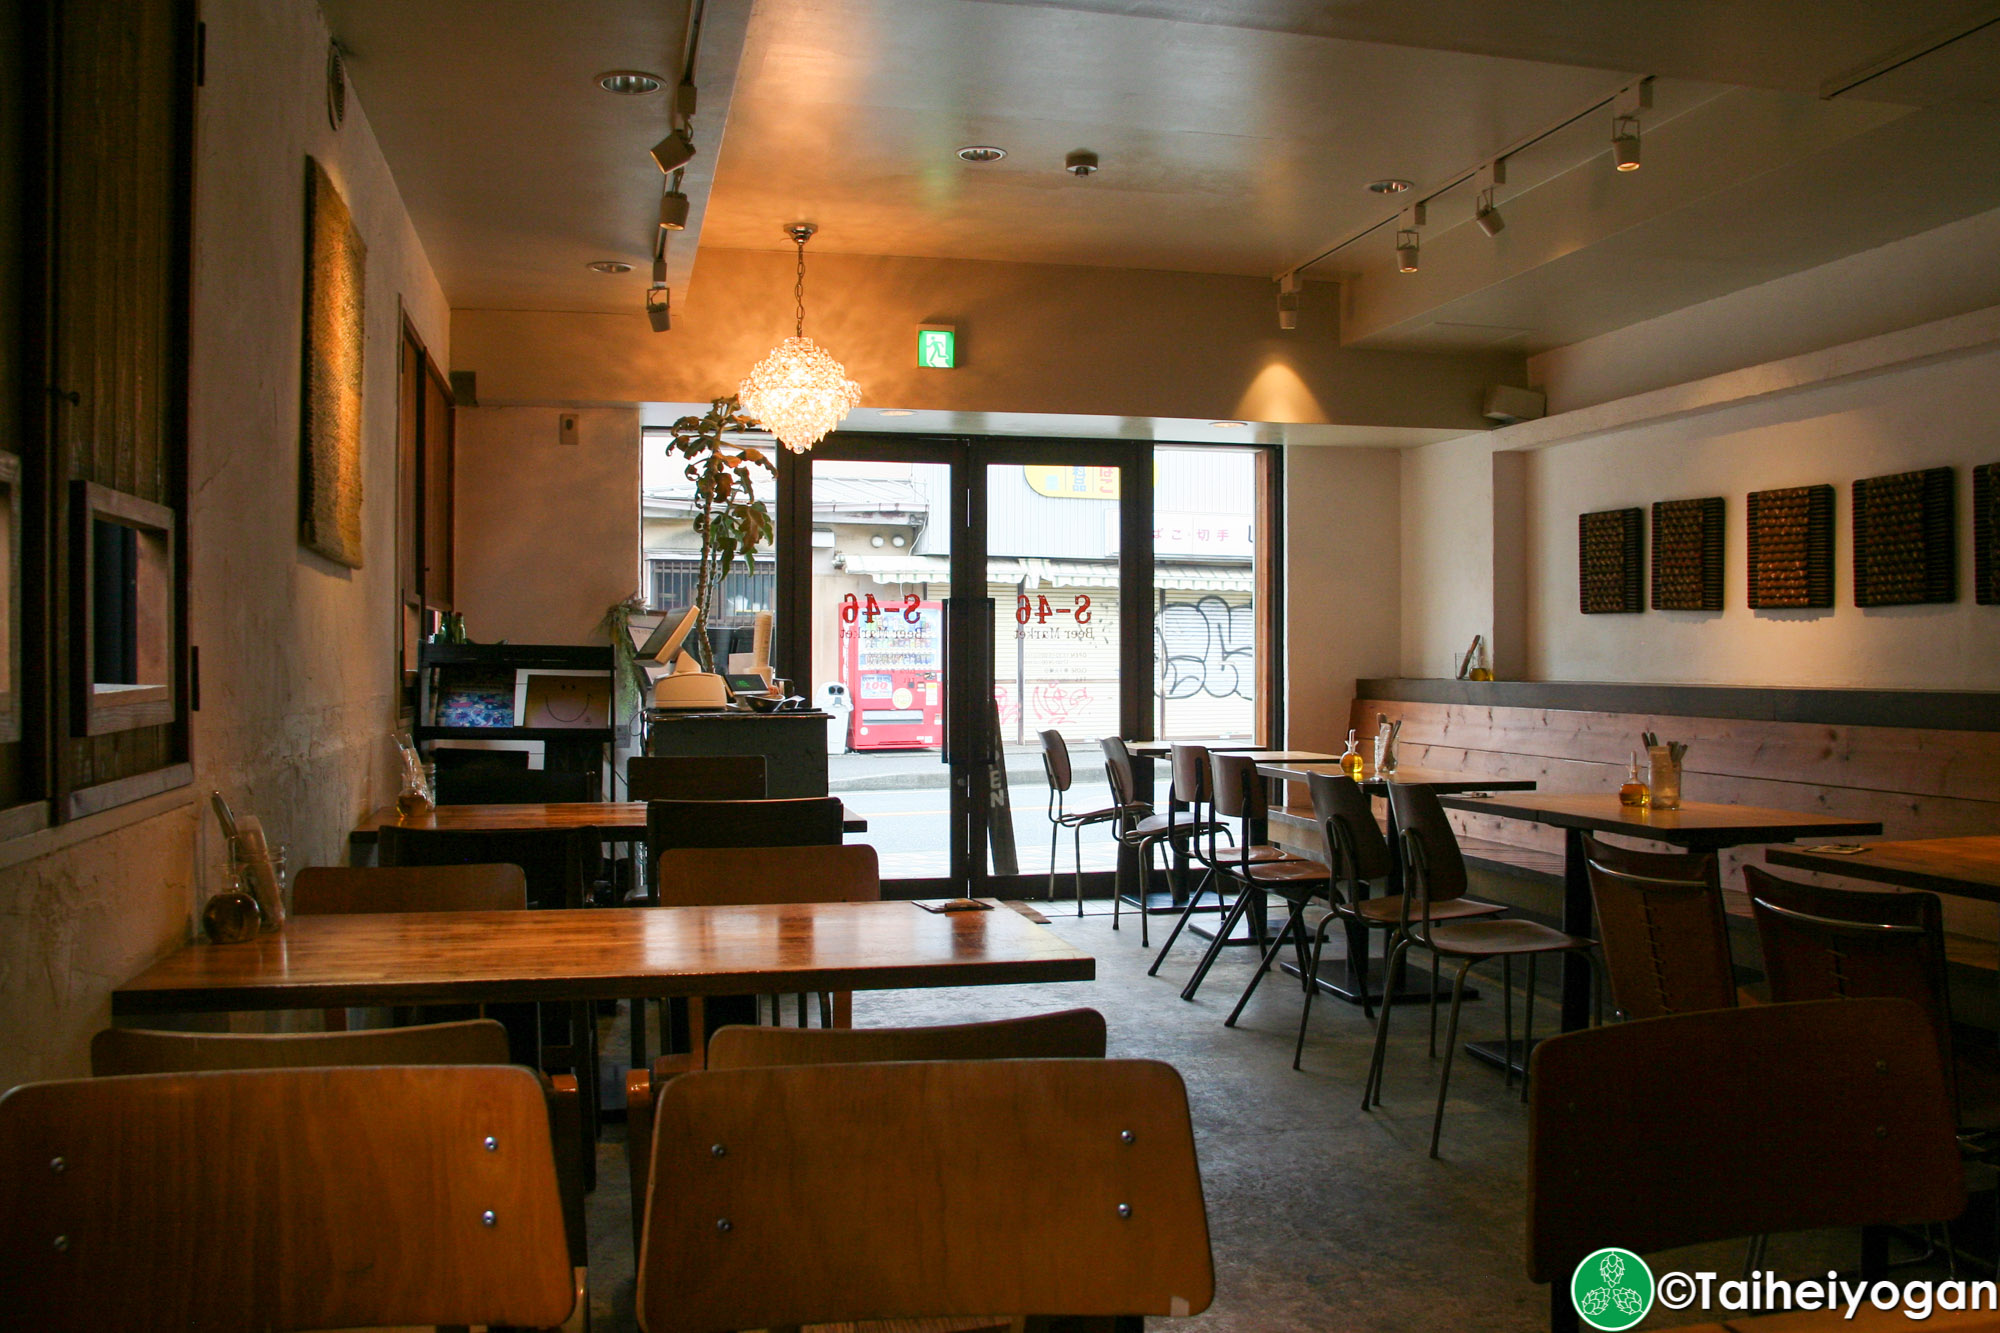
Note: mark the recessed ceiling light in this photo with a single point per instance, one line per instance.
(1388, 186)
(609, 266)
(981, 152)
(1229, 425)
(897, 412)
(630, 82)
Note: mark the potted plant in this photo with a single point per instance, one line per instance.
(729, 518)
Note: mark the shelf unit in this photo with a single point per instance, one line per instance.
(564, 749)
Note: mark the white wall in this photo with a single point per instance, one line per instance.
(1342, 586)
(1913, 387)
(547, 533)
(1925, 416)
(298, 688)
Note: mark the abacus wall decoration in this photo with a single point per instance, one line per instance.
(1608, 561)
(1986, 534)
(1791, 548)
(1904, 539)
(1687, 554)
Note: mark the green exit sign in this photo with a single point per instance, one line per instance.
(937, 348)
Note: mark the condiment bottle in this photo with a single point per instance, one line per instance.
(1634, 792)
(1351, 762)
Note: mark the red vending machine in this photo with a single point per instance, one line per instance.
(892, 661)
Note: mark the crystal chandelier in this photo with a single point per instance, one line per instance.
(799, 391)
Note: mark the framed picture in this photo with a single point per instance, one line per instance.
(1609, 577)
(580, 699)
(1791, 548)
(331, 385)
(1905, 539)
(475, 697)
(1687, 554)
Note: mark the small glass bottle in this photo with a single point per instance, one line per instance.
(1634, 792)
(1351, 762)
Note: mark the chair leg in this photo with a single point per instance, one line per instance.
(1506, 1021)
(1450, 1046)
(1187, 911)
(1434, 1006)
(1216, 945)
(1145, 886)
(1055, 835)
(1076, 852)
(1293, 918)
(1312, 989)
(1372, 1089)
(1117, 880)
(1528, 1027)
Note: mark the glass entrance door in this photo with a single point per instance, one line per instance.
(961, 597)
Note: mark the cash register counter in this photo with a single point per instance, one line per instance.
(793, 744)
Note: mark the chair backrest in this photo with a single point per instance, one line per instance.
(1055, 760)
(793, 821)
(558, 863)
(736, 876)
(476, 1041)
(1355, 847)
(1123, 779)
(282, 1199)
(481, 785)
(1663, 929)
(823, 1193)
(1238, 794)
(1072, 1034)
(1840, 944)
(722, 777)
(1436, 872)
(1736, 1122)
(345, 890)
(1190, 773)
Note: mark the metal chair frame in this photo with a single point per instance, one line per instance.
(1055, 756)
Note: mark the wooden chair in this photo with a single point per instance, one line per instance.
(1240, 793)
(1842, 944)
(1664, 931)
(1056, 767)
(720, 777)
(1674, 1131)
(343, 890)
(1195, 791)
(558, 867)
(479, 1041)
(1071, 1034)
(282, 1199)
(826, 1193)
(1434, 873)
(1136, 827)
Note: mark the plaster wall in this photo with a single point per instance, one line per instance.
(547, 533)
(298, 689)
(1032, 338)
(1924, 416)
(1342, 585)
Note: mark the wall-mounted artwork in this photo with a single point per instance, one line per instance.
(1986, 533)
(1609, 560)
(1687, 554)
(1791, 548)
(1904, 538)
(330, 413)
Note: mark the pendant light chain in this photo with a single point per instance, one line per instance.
(799, 288)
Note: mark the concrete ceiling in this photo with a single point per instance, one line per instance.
(1235, 138)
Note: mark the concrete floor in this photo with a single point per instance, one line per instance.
(1321, 1216)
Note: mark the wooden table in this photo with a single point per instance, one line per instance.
(619, 821)
(1291, 769)
(1696, 825)
(332, 962)
(1963, 867)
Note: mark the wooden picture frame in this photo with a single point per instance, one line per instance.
(1986, 534)
(107, 524)
(1687, 554)
(1790, 563)
(10, 588)
(1609, 561)
(1905, 539)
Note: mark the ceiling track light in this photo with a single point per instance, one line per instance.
(1625, 109)
(673, 211)
(1415, 216)
(1485, 211)
(674, 152)
(658, 311)
(1290, 288)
